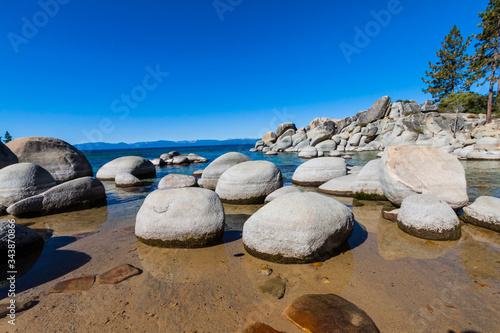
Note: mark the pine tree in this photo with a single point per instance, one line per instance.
(484, 64)
(8, 137)
(449, 74)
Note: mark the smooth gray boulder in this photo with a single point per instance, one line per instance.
(488, 143)
(298, 228)
(177, 180)
(376, 111)
(298, 138)
(412, 107)
(308, 152)
(484, 212)
(215, 169)
(319, 170)
(397, 110)
(194, 158)
(271, 153)
(281, 191)
(124, 179)
(407, 170)
(158, 162)
(7, 157)
(354, 140)
(367, 185)
(26, 239)
(170, 155)
(249, 182)
(180, 160)
(320, 129)
(22, 180)
(62, 160)
(76, 194)
(327, 145)
(341, 186)
(134, 165)
(282, 128)
(483, 155)
(428, 217)
(186, 217)
(283, 143)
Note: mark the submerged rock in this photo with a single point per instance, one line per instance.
(22, 180)
(407, 170)
(118, 274)
(77, 194)
(484, 212)
(134, 165)
(62, 160)
(275, 287)
(249, 182)
(72, 285)
(177, 180)
(328, 313)
(318, 171)
(428, 217)
(260, 328)
(214, 170)
(297, 228)
(185, 217)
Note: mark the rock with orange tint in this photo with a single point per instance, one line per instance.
(118, 274)
(328, 313)
(72, 285)
(260, 328)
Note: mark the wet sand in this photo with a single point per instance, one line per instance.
(403, 283)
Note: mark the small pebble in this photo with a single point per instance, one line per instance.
(266, 271)
(325, 280)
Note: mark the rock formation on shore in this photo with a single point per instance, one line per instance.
(387, 124)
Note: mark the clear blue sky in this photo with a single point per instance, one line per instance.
(264, 63)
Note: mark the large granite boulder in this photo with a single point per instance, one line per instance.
(7, 157)
(407, 170)
(428, 106)
(269, 138)
(283, 143)
(134, 165)
(186, 217)
(328, 313)
(62, 160)
(320, 129)
(22, 180)
(484, 212)
(27, 240)
(308, 152)
(367, 184)
(319, 170)
(376, 111)
(298, 228)
(327, 145)
(175, 180)
(249, 182)
(341, 186)
(76, 194)
(215, 169)
(428, 217)
(282, 128)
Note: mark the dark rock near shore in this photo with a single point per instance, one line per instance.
(118, 274)
(26, 239)
(7, 157)
(72, 285)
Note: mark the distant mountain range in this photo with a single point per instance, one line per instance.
(163, 144)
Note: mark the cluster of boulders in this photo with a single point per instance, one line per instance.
(175, 158)
(387, 124)
(41, 176)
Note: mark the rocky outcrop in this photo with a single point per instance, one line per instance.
(249, 182)
(62, 160)
(77, 194)
(185, 217)
(22, 180)
(298, 227)
(215, 169)
(124, 179)
(134, 165)
(377, 111)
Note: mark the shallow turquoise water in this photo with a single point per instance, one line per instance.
(483, 177)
